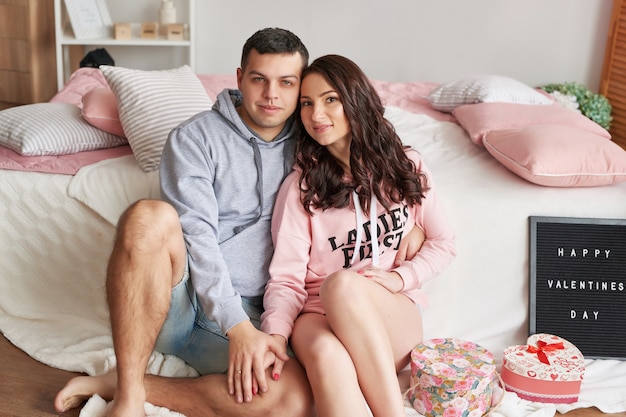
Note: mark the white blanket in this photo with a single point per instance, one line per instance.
(55, 248)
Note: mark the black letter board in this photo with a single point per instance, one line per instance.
(578, 283)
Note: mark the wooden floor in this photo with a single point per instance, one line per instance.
(28, 387)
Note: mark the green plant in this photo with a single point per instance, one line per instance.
(594, 106)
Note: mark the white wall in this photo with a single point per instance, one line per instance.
(535, 41)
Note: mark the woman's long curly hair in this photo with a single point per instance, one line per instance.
(378, 161)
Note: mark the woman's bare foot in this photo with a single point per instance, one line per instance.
(81, 388)
(131, 406)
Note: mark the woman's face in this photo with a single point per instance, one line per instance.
(323, 116)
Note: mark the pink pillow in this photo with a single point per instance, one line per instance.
(481, 118)
(215, 83)
(558, 156)
(82, 81)
(100, 110)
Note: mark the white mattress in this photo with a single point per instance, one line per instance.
(57, 234)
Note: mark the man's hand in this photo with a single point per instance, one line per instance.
(251, 352)
(410, 245)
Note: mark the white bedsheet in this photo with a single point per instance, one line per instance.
(52, 260)
(54, 251)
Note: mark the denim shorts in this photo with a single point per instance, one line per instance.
(190, 335)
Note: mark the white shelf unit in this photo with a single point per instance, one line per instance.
(69, 50)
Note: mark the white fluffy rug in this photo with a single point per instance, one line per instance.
(604, 387)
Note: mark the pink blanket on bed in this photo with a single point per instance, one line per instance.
(58, 164)
(408, 95)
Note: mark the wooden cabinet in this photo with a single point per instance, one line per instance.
(27, 53)
(613, 81)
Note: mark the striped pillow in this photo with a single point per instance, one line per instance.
(51, 129)
(484, 89)
(152, 103)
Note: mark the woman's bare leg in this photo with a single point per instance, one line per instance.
(378, 329)
(329, 368)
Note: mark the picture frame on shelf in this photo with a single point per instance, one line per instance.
(89, 18)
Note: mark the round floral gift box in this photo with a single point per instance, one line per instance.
(451, 377)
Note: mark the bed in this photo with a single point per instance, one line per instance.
(59, 211)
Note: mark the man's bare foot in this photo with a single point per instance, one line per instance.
(81, 388)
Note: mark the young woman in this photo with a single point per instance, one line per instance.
(351, 315)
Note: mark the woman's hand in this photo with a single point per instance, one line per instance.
(392, 281)
(278, 362)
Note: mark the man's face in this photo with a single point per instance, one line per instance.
(270, 86)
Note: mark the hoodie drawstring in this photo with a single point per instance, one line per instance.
(259, 186)
(359, 228)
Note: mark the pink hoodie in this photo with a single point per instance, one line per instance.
(309, 248)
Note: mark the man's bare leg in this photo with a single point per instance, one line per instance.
(147, 260)
(204, 396)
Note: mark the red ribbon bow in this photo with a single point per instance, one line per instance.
(543, 347)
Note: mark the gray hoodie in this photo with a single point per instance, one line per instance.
(222, 179)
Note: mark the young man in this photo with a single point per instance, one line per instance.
(187, 274)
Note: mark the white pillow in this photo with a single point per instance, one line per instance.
(484, 89)
(152, 103)
(51, 129)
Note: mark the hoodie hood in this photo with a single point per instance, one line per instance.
(226, 105)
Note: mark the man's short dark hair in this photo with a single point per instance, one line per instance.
(274, 41)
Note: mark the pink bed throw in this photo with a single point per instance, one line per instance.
(58, 164)
(410, 96)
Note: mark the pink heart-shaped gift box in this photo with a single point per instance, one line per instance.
(548, 369)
